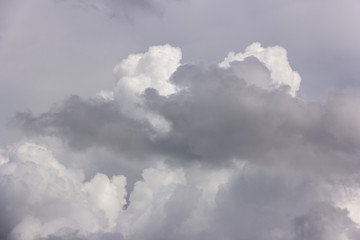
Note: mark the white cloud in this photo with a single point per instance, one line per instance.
(151, 69)
(275, 59)
(50, 197)
(105, 96)
(148, 199)
(106, 195)
(3, 158)
(138, 72)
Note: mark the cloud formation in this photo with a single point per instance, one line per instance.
(236, 155)
(248, 201)
(206, 113)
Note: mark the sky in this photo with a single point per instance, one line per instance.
(179, 119)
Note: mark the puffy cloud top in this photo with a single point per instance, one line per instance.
(139, 72)
(275, 59)
(149, 70)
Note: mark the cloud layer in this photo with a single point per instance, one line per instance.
(233, 154)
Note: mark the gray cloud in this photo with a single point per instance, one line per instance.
(84, 124)
(324, 221)
(218, 117)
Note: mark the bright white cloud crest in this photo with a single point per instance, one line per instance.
(275, 59)
(151, 69)
(138, 72)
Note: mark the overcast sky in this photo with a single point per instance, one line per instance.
(179, 119)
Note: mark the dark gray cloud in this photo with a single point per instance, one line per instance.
(217, 118)
(85, 124)
(220, 117)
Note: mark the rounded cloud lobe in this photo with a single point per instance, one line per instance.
(142, 71)
(274, 59)
(236, 155)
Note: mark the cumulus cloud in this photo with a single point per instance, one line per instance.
(55, 202)
(274, 59)
(149, 70)
(236, 155)
(51, 198)
(142, 71)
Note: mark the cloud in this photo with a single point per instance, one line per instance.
(149, 70)
(176, 150)
(106, 126)
(221, 117)
(201, 112)
(240, 156)
(324, 221)
(3, 158)
(275, 59)
(46, 200)
(50, 198)
(139, 72)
